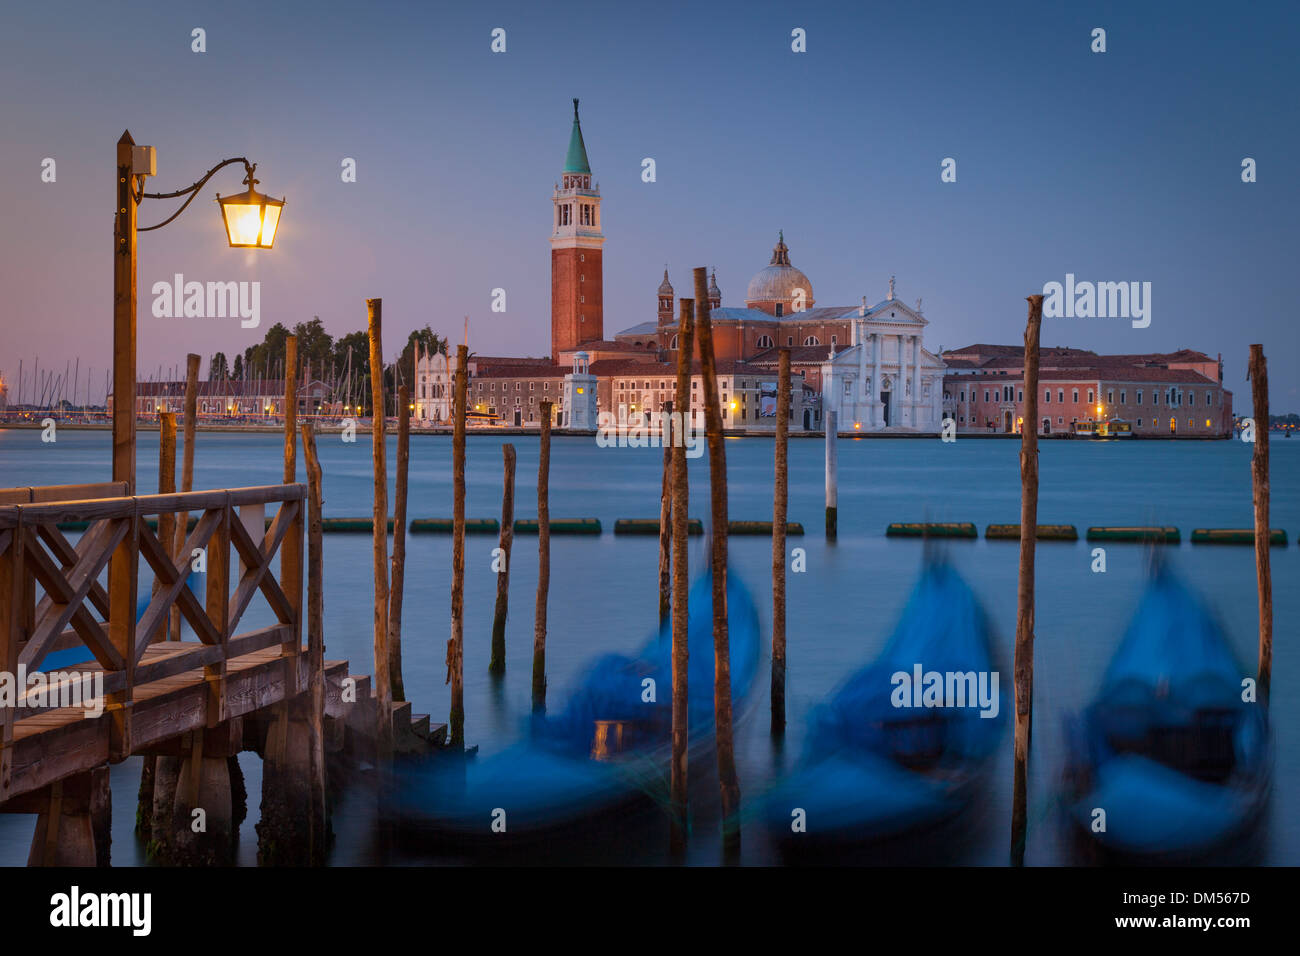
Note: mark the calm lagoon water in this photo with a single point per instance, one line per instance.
(840, 611)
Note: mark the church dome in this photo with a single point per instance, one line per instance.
(777, 283)
(665, 287)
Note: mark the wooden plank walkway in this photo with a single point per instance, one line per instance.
(55, 743)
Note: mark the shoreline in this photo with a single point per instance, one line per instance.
(515, 431)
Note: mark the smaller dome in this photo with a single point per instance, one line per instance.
(665, 287)
(714, 291)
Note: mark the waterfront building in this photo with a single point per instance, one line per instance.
(1178, 393)
(258, 398)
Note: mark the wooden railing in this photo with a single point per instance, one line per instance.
(75, 608)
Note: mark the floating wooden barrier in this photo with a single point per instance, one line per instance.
(1046, 532)
(560, 526)
(1156, 535)
(444, 526)
(932, 529)
(651, 526)
(761, 527)
(1276, 537)
(350, 525)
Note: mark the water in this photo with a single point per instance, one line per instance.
(604, 590)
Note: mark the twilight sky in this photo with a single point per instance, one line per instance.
(1121, 166)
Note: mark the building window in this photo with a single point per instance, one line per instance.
(789, 340)
(764, 342)
(963, 394)
(1060, 397)
(810, 340)
(780, 309)
(986, 394)
(1123, 397)
(1139, 423)
(1047, 396)
(1139, 396)
(1060, 419)
(673, 345)
(532, 386)
(1020, 395)
(1075, 398)
(1110, 396)
(832, 340)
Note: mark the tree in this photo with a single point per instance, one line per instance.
(217, 370)
(239, 368)
(315, 345)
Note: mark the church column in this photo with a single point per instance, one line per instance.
(861, 326)
(876, 344)
(916, 380)
(904, 400)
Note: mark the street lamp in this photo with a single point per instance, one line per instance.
(251, 220)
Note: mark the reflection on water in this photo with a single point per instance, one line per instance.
(840, 611)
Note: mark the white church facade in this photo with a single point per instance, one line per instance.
(885, 380)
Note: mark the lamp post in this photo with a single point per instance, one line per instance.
(251, 220)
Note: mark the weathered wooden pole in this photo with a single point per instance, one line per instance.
(187, 467)
(399, 544)
(1024, 655)
(290, 409)
(497, 662)
(728, 782)
(832, 476)
(543, 559)
(780, 506)
(383, 680)
(1258, 373)
(665, 516)
(681, 582)
(166, 480)
(166, 531)
(456, 646)
(315, 646)
(124, 565)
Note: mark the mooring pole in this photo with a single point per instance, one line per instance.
(780, 507)
(315, 645)
(1024, 654)
(543, 560)
(665, 514)
(187, 467)
(497, 662)
(728, 782)
(832, 476)
(383, 679)
(1258, 373)
(681, 584)
(395, 593)
(456, 646)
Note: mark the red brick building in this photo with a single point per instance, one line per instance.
(1179, 393)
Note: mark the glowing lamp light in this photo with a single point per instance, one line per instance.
(250, 218)
(733, 406)
(857, 425)
(581, 390)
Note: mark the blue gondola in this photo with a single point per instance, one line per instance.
(608, 748)
(1180, 764)
(878, 766)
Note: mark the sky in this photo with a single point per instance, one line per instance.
(1117, 166)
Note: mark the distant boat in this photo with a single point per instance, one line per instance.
(607, 749)
(1180, 765)
(873, 769)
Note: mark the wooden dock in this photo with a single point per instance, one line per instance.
(201, 700)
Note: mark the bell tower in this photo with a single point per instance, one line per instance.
(577, 287)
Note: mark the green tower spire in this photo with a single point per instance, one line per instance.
(576, 160)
